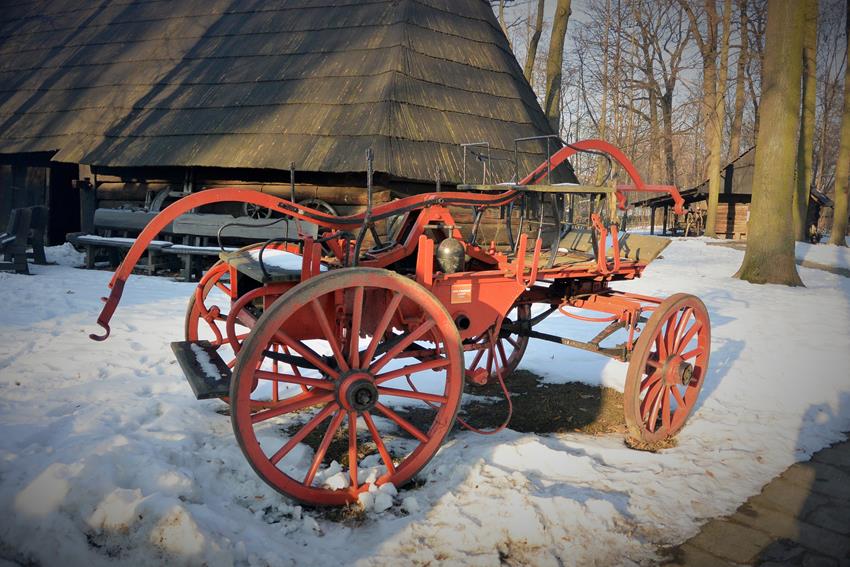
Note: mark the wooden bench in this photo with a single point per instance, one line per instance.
(13, 242)
(192, 236)
(200, 235)
(108, 224)
(38, 224)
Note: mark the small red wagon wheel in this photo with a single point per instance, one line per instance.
(383, 368)
(505, 352)
(206, 313)
(667, 368)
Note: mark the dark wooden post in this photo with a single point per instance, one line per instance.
(664, 230)
(88, 198)
(652, 220)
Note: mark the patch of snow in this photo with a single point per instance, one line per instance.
(825, 254)
(65, 255)
(282, 259)
(206, 363)
(106, 456)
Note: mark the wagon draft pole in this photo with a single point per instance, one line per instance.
(345, 366)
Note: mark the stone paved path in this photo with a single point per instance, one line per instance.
(801, 518)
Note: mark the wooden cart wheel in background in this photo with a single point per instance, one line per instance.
(256, 211)
(504, 352)
(382, 362)
(667, 369)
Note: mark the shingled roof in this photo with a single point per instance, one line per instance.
(262, 83)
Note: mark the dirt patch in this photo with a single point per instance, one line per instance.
(652, 447)
(539, 407)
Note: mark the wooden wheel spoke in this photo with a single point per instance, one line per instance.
(665, 409)
(403, 423)
(689, 334)
(660, 347)
(412, 369)
(329, 334)
(679, 399)
(512, 342)
(680, 327)
(224, 341)
(416, 395)
(477, 358)
(501, 348)
(352, 448)
(305, 430)
(650, 399)
(652, 379)
(356, 316)
(309, 354)
(401, 345)
(323, 448)
(692, 353)
(294, 379)
(223, 288)
(381, 328)
(652, 418)
(490, 357)
(295, 403)
(669, 332)
(379, 443)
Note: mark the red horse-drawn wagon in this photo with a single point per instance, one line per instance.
(345, 366)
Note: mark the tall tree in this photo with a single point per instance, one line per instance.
(740, 77)
(713, 96)
(503, 23)
(805, 145)
(770, 240)
(533, 42)
(842, 166)
(555, 64)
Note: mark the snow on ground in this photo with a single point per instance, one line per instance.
(105, 455)
(826, 254)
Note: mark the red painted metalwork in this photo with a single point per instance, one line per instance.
(338, 347)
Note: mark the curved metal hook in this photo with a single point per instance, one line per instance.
(103, 337)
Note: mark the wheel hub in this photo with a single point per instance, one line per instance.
(357, 391)
(677, 371)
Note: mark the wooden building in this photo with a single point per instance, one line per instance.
(150, 99)
(733, 208)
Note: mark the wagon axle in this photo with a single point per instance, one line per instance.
(356, 391)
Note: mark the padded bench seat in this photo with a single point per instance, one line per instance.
(281, 266)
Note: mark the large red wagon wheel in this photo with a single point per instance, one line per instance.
(492, 352)
(382, 363)
(667, 368)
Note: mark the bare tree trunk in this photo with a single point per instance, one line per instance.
(743, 57)
(531, 55)
(770, 239)
(503, 24)
(555, 63)
(805, 146)
(715, 133)
(842, 166)
(603, 115)
(667, 121)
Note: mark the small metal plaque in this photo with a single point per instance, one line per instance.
(462, 293)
